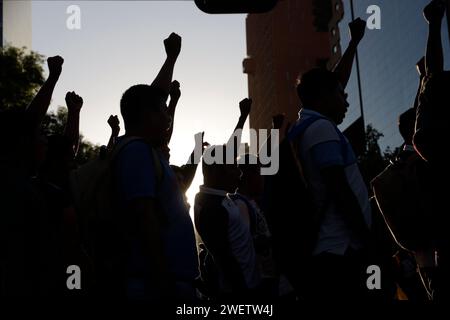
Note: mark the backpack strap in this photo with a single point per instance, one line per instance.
(157, 163)
(300, 129)
(251, 212)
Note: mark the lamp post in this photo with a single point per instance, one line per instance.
(359, 75)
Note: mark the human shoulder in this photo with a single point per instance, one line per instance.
(320, 131)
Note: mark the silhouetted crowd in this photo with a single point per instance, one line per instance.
(311, 232)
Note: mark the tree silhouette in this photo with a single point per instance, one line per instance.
(21, 76)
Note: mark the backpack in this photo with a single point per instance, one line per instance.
(290, 211)
(103, 233)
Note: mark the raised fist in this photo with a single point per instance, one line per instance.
(173, 45)
(74, 102)
(245, 106)
(357, 29)
(174, 91)
(114, 123)
(55, 65)
(434, 11)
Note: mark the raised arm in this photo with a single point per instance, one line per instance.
(434, 59)
(244, 106)
(114, 124)
(278, 123)
(164, 78)
(199, 145)
(175, 94)
(72, 131)
(188, 170)
(38, 107)
(344, 67)
(421, 70)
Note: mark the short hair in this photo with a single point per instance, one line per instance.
(406, 124)
(138, 98)
(316, 83)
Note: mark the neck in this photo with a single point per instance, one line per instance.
(140, 134)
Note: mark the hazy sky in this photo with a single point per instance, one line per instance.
(120, 44)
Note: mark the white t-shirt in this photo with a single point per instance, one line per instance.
(320, 146)
(239, 237)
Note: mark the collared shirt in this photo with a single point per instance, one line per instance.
(321, 146)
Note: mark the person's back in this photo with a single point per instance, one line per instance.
(157, 252)
(401, 191)
(137, 176)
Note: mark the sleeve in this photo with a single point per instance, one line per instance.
(319, 132)
(135, 172)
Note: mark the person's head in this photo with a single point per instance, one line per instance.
(321, 91)
(406, 125)
(144, 112)
(220, 176)
(252, 182)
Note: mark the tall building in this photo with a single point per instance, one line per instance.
(1, 23)
(295, 37)
(281, 44)
(387, 59)
(16, 23)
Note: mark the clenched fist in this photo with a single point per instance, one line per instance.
(173, 45)
(55, 65)
(74, 102)
(245, 106)
(434, 11)
(357, 29)
(175, 91)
